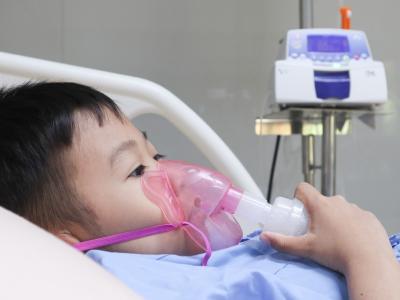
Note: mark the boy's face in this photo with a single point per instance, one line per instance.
(108, 162)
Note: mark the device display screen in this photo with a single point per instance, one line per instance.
(327, 43)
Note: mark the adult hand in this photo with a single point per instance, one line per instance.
(339, 232)
(345, 238)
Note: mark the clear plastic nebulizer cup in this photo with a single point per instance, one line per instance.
(285, 216)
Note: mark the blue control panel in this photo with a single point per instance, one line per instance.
(327, 46)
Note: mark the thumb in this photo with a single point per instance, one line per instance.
(295, 245)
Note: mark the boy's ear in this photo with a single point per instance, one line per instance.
(67, 237)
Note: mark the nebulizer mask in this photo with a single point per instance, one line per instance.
(206, 205)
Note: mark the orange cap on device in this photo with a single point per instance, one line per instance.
(345, 13)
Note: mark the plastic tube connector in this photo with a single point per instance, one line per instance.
(285, 216)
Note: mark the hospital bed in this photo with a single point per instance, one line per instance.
(36, 265)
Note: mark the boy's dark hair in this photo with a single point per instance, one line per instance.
(37, 124)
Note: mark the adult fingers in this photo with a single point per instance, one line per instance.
(309, 195)
(295, 245)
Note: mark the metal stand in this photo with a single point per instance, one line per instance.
(328, 174)
(328, 167)
(306, 14)
(311, 122)
(308, 151)
(328, 164)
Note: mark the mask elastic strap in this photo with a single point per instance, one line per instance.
(140, 233)
(206, 242)
(123, 237)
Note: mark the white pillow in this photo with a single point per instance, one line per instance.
(36, 265)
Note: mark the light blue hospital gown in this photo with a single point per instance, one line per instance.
(250, 270)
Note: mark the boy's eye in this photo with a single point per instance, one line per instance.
(158, 156)
(137, 172)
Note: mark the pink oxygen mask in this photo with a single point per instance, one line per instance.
(202, 197)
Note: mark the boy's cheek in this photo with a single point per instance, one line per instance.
(134, 212)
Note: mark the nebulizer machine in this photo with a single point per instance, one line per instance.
(206, 205)
(329, 67)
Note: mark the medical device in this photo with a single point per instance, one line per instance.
(205, 204)
(329, 66)
(207, 199)
(285, 216)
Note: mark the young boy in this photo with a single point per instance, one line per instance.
(71, 163)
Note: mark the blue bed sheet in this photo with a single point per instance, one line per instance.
(250, 270)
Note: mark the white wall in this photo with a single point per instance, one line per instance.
(217, 56)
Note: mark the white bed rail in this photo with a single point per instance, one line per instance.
(136, 96)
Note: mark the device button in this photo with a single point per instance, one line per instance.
(364, 55)
(294, 55)
(356, 57)
(345, 57)
(296, 44)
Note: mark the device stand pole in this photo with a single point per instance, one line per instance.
(306, 14)
(306, 17)
(328, 176)
(308, 151)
